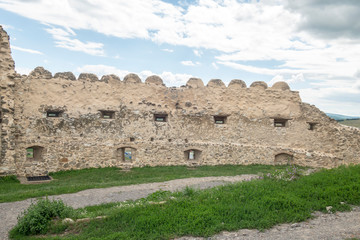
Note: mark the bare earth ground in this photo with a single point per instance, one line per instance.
(323, 226)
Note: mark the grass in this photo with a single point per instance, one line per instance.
(77, 180)
(258, 204)
(354, 123)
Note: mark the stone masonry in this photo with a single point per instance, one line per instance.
(51, 123)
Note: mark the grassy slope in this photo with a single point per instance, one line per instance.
(77, 180)
(257, 204)
(354, 123)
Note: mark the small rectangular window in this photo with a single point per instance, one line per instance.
(160, 117)
(220, 119)
(107, 114)
(280, 122)
(312, 126)
(53, 114)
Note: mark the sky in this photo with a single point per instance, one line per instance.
(313, 45)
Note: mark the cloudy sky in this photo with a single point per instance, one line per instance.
(314, 45)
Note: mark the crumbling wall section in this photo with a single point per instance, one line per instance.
(7, 107)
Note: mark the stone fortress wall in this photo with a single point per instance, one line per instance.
(51, 123)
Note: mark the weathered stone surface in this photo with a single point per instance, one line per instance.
(40, 72)
(109, 78)
(154, 80)
(132, 78)
(195, 83)
(281, 86)
(237, 83)
(259, 84)
(88, 77)
(65, 75)
(72, 125)
(216, 83)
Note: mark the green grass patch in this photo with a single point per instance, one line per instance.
(353, 123)
(257, 204)
(77, 180)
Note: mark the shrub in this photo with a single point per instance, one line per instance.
(37, 217)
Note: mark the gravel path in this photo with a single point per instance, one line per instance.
(10, 211)
(340, 225)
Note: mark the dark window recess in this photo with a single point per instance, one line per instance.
(0, 117)
(38, 178)
(53, 114)
(34, 153)
(312, 126)
(132, 139)
(152, 139)
(160, 117)
(220, 119)
(107, 114)
(280, 122)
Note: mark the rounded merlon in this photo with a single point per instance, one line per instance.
(216, 83)
(237, 83)
(195, 83)
(154, 80)
(107, 78)
(40, 72)
(132, 78)
(280, 86)
(88, 76)
(259, 84)
(65, 75)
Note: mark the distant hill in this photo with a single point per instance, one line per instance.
(353, 123)
(339, 117)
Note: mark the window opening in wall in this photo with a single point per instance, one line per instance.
(126, 154)
(0, 117)
(220, 119)
(132, 139)
(152, 139)
(107, 114)
(34, 153)
(160, 117)
(53, 114)
(280, 122)
(192, 154)
(284, 159)
(312, 126)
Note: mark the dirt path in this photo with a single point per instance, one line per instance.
(10, 211)
(323, 226)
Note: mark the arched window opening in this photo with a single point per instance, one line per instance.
(192, 155)
(284, 159)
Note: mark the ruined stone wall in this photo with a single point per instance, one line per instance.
(74, 123)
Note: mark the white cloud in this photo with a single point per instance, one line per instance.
(167, 50)
(26, 50)
(190, 63)
(22, 70)
(294, 78)
(64, 39)
(197, 52)
(169, 78)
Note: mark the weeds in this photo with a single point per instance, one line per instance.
(36, 219)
